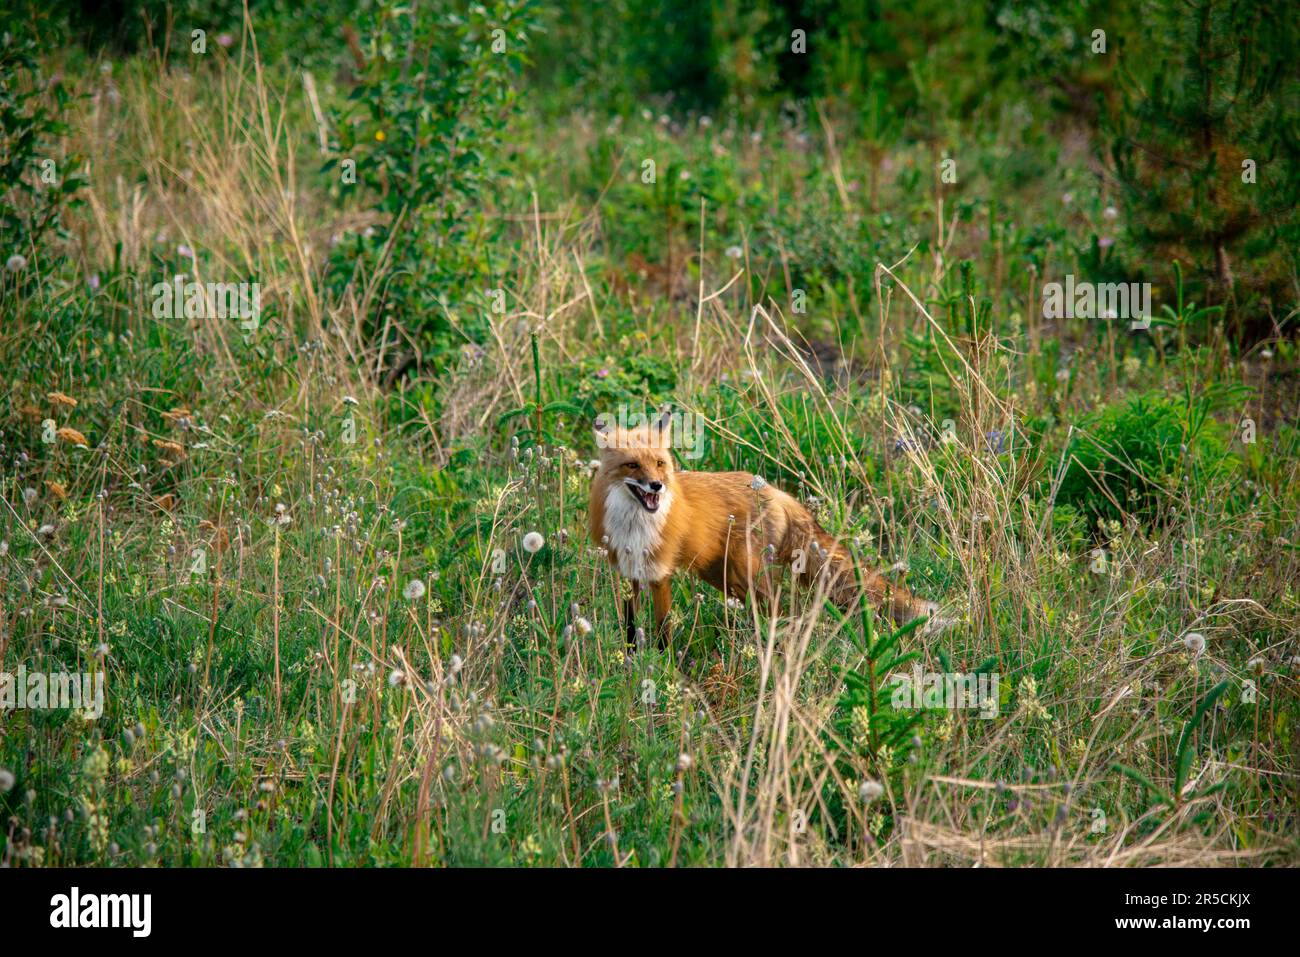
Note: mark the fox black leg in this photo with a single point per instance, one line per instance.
(629, 613)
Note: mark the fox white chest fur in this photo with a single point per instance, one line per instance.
(635, 534)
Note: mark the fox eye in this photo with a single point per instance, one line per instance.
(660, 463)
(629, 465)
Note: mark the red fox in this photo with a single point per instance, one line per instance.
(722, 527)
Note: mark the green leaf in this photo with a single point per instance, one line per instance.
(512, 414)
(1185, 752)
(1143, 780)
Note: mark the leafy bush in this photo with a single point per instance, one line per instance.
(426, 137)
(1131, 458)
(36, 185)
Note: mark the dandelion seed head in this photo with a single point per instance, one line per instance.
(869, 791)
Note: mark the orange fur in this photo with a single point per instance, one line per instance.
(719, 527)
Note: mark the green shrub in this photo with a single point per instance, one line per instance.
(37, 184)
(426, 134)
(1133, 458)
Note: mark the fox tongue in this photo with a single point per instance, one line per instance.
(651, 500)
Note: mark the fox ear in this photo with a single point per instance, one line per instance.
(604, 432)
(663, 428)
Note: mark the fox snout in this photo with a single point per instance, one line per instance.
(645, 490)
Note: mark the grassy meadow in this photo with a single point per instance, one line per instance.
(292, 546)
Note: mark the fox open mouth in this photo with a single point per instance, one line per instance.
(649, 500)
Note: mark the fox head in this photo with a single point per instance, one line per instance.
(641, 460)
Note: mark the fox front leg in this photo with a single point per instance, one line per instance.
(629, 612)
(662, 592)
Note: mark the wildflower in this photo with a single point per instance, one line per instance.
(1030, 705)
(758, 484)
(395, 678)
(734, 252)
(96, 765)
(1110, 212)
(582, 625)
(6, 780)
(684, 761)
(16, 263)
(533, 542)
(1194, 642)
(59, 398)
(870, 791)
(414, 590)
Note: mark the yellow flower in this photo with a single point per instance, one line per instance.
(379, 135)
